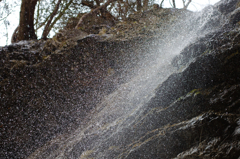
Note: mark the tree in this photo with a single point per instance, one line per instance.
(161, 4)
(54, 15)
(173, 3)
(185, 5)
(94, 9)
(60, 12)
(26, 30)
(47, 26)
(26, 24)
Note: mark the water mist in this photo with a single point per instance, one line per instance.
(111, 125)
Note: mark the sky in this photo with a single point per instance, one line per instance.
(13, 18)
(195, 5)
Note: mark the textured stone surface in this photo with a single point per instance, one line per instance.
(50, 87)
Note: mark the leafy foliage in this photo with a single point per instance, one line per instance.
(52, 15)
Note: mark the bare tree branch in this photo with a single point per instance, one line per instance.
(174, 4)
(43, 23)
(92, 12)
(61, 14)
(47, 27)
(161, 3)
(186, 6)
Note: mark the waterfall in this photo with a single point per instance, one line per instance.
(110, 127)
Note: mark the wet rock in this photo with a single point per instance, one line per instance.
(227, 6)
(207, 81)
(173, 139)
(235, 17)
(49, 88)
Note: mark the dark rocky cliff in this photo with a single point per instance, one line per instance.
(44, 93)
(48, 88)
(195, 112)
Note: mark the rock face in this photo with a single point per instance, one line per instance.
(49, 87)
(45, 91)
(73, 99)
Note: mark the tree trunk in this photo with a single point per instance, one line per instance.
(15, 35)
(26, 24)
